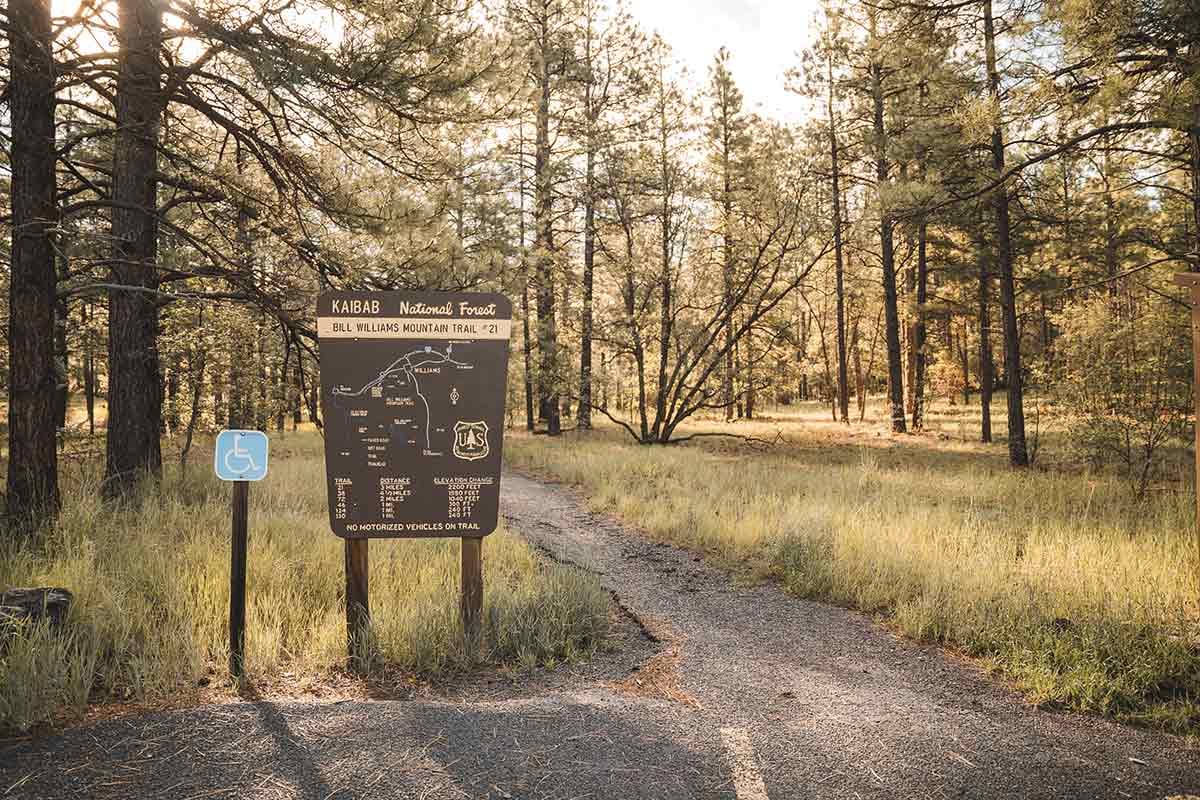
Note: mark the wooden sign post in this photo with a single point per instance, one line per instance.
(358, 603)
(413, 386)
(1192, 281)
(471, 604)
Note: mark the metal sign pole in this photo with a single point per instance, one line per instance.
(239, 456)
(237, 580)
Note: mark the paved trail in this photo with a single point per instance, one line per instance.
(753, 695)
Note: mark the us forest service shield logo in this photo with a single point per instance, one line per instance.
(470, 440)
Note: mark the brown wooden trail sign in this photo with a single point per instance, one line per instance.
(413, 386)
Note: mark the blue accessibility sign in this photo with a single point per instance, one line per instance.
(241, 455)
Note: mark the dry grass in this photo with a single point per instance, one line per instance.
(1055, 578)
(151, 583)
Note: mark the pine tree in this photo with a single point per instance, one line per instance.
(32, 460)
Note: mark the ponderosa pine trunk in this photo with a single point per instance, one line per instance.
(856, 351)
(747, 345)
(886, 247)
(727, 286)
(197, 355)
(32, 463)
(919, 330)
(543, 206)
(838, 259)
(986, 368)
(134, 395)
(629, 295)
(297, 392)
(1018, 455)
(526, 343)
(171, 417)
(584, 416)
(89, 367)
(62, 314)
(666, 283)
(279, 381)
(964, 357)
(591, 115)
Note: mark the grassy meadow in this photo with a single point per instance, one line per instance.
(151, 583)
(1053, 578)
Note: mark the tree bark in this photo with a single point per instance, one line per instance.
(313, 400)
(833, 395)
(279, 380)
(886, 247)
(591, 119)
(986, 368)
(919, 331)
(747, 345)
(862, 408)
(966, 364)
(134, 396)
(89, 367)
(262, 376)
(856, 349)
(666, 282)
(526, 344)
(197, 355)
(639, 351)
(1018, 455)
(172, 415)
(62, 313)
(838, 259)
(297, 389)
(727, 278)
(218, 400)
(584, 418)
(548, 392)
(32, 463)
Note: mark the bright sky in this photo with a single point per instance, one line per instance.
(763, 38)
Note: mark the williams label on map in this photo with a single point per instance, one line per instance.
(413, 387)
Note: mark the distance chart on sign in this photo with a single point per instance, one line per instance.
(413, 387)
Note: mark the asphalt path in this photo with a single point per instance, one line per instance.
(741, 692)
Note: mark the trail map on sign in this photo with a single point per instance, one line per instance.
(398, 385)
(413, 388)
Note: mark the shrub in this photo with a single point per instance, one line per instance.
(1123, 375)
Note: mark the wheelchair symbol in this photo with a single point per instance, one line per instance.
(241, 455)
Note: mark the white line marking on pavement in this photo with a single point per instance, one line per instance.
(747, 781)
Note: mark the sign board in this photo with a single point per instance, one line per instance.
(413, 386)
(240, 455)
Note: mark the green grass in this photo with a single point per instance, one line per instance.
(1056, 580)
(151, 584)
